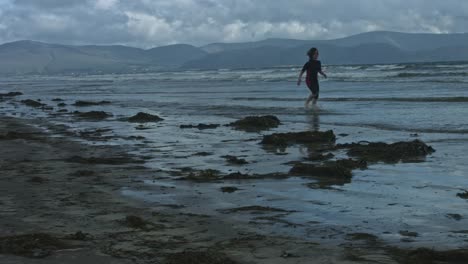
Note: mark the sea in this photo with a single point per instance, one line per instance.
(412, 204)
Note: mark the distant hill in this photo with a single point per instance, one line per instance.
(174, 55)
(31, 57)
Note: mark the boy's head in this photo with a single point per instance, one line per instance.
(313, 53)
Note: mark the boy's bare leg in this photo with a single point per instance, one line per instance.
(309, 99)
(314, 102)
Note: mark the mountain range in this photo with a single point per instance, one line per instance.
(378, 47)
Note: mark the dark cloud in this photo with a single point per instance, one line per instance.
(47, 4)
(147, 23)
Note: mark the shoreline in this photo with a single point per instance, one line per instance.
(80, 205)
(77, 202)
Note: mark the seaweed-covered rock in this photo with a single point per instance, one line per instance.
(200, 126)
(391, 153)
(332, 170)
(229, 189)
(235, 160)
(330, 173)
(141, 117)
(10, 94)
(351, 164)
(32, 103)
(90, 103)
(256, 123)
(463, 195)
(98, 115)
(306, 137)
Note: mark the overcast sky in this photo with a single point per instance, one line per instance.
(150, 23)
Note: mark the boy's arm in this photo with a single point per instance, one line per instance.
(300, 77)
(323, 74)
(320, 70)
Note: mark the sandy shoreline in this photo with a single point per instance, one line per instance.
(65, 196)
(43, 191)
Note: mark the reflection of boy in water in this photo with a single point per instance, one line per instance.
(312, 67)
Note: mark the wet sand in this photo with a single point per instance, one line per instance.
(46, 190)
(61, 202)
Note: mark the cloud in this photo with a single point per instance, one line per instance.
(148, 23)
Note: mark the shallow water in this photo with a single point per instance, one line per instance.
(367, 102)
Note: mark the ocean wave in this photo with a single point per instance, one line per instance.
(458, 99)
(392, 78)
(280, 99)
(430, 74)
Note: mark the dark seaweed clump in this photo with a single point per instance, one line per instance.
(141, 117)
(10, 94)
(200, 126)
(235, 160)
(306, 137)
(32, 103)
(97, 115)
(391, 153)
(89, 103)
(256, 123)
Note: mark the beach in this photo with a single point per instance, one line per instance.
(61, 211)
(228, 167)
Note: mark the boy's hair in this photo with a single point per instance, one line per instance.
(311, 52)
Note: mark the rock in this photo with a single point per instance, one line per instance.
(89, 103)
(351, 164)
(256, 123)
(201, 126)
(327, 171)
(144, 117)
(391, 153)
(10, 94)
(463, 195)
(229, 189)
(235, 160)
(456, 217)
(306, 137)
(92, 115)
(32, 103)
